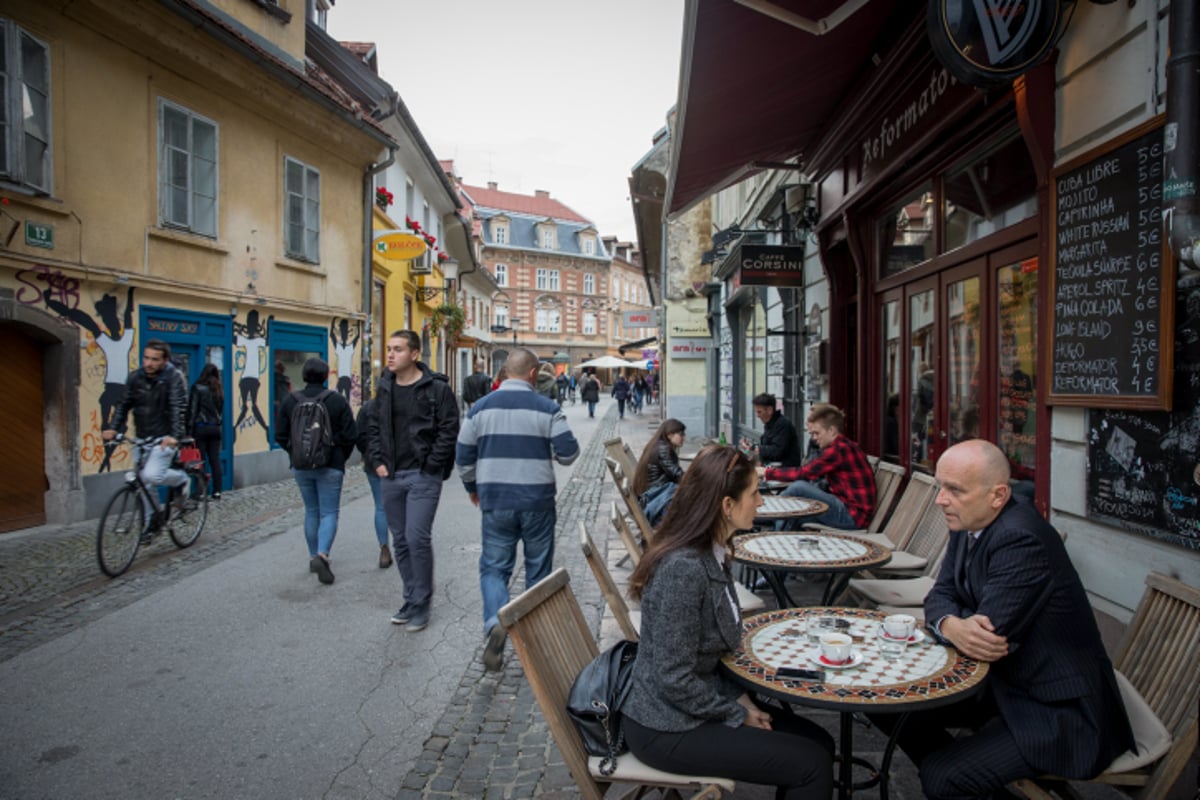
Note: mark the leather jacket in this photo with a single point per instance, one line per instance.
(159, 404)
(663, 466)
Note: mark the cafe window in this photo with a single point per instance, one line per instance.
(892, 368)
(993, 188)
(906, 232)
(1016, 304)
(754, 375)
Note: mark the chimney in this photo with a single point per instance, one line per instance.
(492, 185)
(542, 193)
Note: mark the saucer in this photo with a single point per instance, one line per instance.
(918, 635)
(856, 658)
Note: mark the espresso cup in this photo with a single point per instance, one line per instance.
(836, 647)
(899, 626)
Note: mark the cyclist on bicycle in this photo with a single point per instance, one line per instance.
(157, 393)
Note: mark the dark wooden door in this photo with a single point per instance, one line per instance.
(23, 469)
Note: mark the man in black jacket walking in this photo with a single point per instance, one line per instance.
(411, 438)
(157, 394)
(477, 384)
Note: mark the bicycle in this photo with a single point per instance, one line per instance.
(123, 527)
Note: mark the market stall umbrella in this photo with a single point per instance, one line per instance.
(608, 362)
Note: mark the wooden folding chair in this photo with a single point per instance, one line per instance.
(552, 641)
(624, 487)
(608, 587)
(1157, 664)
(617, 450)
(916, 497)
(918, 553)
(632, 546)
(894, 597)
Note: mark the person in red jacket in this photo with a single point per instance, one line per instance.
(842, 465)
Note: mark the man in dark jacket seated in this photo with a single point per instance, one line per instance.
(1008, 594)
(778, 442)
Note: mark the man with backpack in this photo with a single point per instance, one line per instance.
(410, 438)
(316, 427)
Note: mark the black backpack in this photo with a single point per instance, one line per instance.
(311, 435)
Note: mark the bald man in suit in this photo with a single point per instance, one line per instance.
(1008, 594)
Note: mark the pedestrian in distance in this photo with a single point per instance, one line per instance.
(563, 384)
(157, 394)
(506, 452)
(205, 412)
(589, 392)
(411, 441)
(620, 392)
(683, 713)
(547, 383)
(374, 481)
(316, 427)
(477, 384)
(640, 390)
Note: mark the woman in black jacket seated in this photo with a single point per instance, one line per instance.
(682, 714)
(658, 471)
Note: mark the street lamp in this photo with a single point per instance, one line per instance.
(515, 321)
(450, 273)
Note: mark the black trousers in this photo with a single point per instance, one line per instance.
(208, 439)
(796, 757)
(974, 766)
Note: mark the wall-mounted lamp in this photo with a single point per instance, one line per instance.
(233, 311)
(450, 273)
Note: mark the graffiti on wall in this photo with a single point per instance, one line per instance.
(108, 347)
(344, 335)
(250, 338)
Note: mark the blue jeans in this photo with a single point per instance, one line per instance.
(591, 408)
(836, 517)
(502, 529)
(410, 498)
(321, 490)
(381, 528)
(155, 470)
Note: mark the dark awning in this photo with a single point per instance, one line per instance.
(753, 89)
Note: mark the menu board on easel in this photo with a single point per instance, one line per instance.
(1112, 278)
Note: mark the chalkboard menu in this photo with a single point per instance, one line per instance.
(1110, 342)
(1144, 466)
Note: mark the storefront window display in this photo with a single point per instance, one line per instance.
(1016, 302)
(906, 232)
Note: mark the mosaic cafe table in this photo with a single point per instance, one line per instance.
(837, 554)
(928, 675)
(776, 508)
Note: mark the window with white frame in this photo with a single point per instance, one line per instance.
(549, 320)
(302, 209)
(625, 292)
(25, 156)
(547, 280)
(502, 316)
(589, 284)
(408, 198)
(589, 246)
(187, 170)
(501, 274)
(589, 323)
(499, 233)
(616, 288)
(548, 237)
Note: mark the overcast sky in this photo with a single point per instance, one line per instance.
(561, 95)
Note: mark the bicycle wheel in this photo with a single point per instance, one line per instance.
(188, 521)
(120, 532)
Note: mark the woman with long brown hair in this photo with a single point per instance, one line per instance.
(206, 406)
(658, 472)
(682, 714)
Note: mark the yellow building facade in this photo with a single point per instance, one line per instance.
(177, 173)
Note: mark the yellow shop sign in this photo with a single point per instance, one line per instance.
(398, 246)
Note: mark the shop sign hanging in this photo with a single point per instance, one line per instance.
(771, 265)
(398, 246)
(990, 42)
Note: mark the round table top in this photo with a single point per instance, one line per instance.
(775, 507)
(809, 551)
(927, 675)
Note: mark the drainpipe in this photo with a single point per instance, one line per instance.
(1181, 204)
(368, 235)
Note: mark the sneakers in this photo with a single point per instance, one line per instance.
(402, 616)
(419, 620)
(493, 649)
(320, 566)
(385, 557)
(216, 495)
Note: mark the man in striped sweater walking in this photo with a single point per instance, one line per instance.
(506, 451)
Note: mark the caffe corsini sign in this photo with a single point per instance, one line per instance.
(990, 42)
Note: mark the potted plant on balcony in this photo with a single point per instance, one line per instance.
(384, 198)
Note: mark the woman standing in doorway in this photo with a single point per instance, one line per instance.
(205, 412)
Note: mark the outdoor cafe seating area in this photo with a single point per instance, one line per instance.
(860, 583)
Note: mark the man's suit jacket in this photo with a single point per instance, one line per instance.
(1055, 689)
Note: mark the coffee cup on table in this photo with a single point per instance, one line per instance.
(899, 626)
(836, 647)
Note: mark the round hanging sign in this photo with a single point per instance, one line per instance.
(989, 42)
(398, 246)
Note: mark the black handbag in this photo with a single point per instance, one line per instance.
(594, 703)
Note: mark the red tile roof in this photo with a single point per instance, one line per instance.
(521, 203)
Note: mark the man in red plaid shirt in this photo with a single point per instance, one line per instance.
(842, 465)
